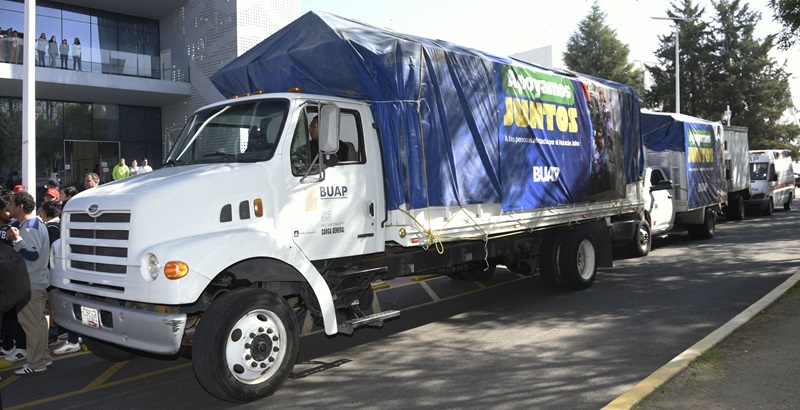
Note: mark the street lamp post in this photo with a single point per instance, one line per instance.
(677, 21)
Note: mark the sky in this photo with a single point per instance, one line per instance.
(506, 27)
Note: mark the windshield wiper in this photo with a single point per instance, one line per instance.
(220, 154)
(174, 162)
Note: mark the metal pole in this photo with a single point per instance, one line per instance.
(29, 101)
(677, 21)
(677, 70)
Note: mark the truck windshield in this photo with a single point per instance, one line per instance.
(243, 132)
(758, 171)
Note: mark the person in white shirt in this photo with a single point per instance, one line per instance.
(134, 168)
(76, 54)
(145, 167)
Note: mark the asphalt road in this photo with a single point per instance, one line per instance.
(509, 342)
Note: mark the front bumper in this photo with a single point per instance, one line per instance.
(153, 332)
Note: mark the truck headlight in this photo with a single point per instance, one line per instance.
(153, 266)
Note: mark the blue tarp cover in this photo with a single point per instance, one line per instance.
(458, 126)
(701, 140)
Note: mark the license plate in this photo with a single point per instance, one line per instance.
(89, 317)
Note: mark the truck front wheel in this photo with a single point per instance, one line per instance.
(246, 345)
(642, 241)
(770, 209)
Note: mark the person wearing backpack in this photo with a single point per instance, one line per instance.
(51, 215)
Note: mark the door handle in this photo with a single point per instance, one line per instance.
(372, 209)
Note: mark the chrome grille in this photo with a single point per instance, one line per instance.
(98, 243)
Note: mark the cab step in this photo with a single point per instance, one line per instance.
(375, 319)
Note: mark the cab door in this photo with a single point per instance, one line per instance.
(337, 212)
(660, 203)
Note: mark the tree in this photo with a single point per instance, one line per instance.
(748, 79)
(723, 64)
(788, 13)
(595, 50)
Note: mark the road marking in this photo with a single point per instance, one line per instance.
(683, 360)
(106, 374)
(92, 386)
(430, 291)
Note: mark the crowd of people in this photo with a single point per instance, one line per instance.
(31, 229)
(12, 45)
(121, 170)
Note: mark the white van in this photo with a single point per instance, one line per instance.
(772, 180)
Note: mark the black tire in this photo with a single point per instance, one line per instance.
(548, 260)
(706, 229)
(246, 345)
(642, 240)
(577, 260)
(770, 208)
(788, 205)
(735, 210)
(108, 351)
(476, 274)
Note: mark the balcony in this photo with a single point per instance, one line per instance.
(109, 77)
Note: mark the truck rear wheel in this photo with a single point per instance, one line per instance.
(706, 229)
(735, 210)
(548, 260)
(246, 345)
(642, 241)
(108, 351)
(577, 260)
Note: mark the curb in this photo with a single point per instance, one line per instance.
(683, 360)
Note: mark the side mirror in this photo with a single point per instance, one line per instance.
(662, 185)
(773, 178)
(328, 129)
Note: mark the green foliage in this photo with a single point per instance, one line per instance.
(788, 13)
(595, 50)
(723, 63)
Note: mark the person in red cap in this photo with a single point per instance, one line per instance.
(51, 195)
(18, 188)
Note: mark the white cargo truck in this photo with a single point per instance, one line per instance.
(685, 173)
(403, 156)
(772, 176)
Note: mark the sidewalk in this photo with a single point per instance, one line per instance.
(753, 361)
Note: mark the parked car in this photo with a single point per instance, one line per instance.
(797, 180)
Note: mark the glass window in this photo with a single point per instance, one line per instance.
(105, 122)
(12, 6)
(77, 121)
(49, 120)
(75, 15)
(50, 26)
(52, 10)
(244, 132)
(304, 148)
(132, 121)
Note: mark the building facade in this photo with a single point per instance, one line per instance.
(139, 71)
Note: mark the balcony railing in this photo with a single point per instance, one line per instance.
(103, 61)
